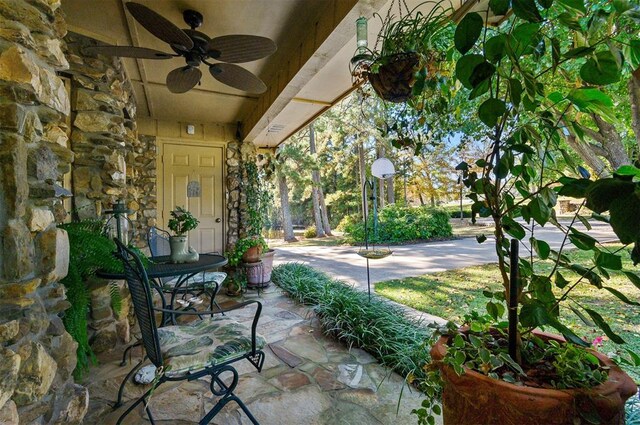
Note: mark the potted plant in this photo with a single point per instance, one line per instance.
(507, 371)
(180, 223)
(409, 51)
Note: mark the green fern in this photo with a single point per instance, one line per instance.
(90, 250)
(116, 298)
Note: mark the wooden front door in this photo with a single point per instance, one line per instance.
(201, 166)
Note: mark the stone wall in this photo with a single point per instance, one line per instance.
(237, 154)
(37, 355)
(141, 176)
(103, 128)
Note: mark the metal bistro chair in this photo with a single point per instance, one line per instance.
(205, 347)
(211, 282)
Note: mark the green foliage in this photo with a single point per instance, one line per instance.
(378, 327)
(182, 221)
(399, 224)
(235, 257)
(258, 199)
(310, 232)
(90, 251)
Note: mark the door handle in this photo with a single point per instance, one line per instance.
(218, 220)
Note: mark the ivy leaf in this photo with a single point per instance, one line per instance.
(634, 278)
(607, 260)
(598, 320)
(574, 188)
(491, 110)
(499, 7)
(527, 10)
(468, 31)
(465, 67)
(515, 91)
(624, 220)
(622, 297)
(494, 48)
(541, 248)
(601, 70)
(582, 240)
(481, 73)
(481, 238)
(628, 170)
(555, 52)
(513, 228)
(603, 192)
(540, 211)
(546, 4)
(582, 317)
(579, 52)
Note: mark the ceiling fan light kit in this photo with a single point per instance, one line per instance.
(196, 48)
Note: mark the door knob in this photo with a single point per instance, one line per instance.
(218, 220)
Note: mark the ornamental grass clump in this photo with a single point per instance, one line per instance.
(377, 326)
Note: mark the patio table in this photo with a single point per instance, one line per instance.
(162, 267)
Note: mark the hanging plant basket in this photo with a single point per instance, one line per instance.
(375, 253)
(394, 79)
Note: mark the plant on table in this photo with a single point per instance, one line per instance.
(182, 221)
(537, 76)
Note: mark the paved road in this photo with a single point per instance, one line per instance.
(343, 263)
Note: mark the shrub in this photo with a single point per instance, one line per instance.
(377, 326)
(347, 222)
(310, 232)
(399, 224)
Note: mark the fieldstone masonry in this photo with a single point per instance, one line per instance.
(141, 175)
(234, 179)
(37, 355)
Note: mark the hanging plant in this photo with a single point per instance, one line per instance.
(411, 47)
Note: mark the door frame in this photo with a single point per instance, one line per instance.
(160, 142)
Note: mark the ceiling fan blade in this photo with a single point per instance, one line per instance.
(183, 79)
(237, 77)
(160, 26)
(240, 48)
(128, 52)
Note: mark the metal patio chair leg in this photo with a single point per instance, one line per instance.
(137, 402)
(226, 393)
(124, 382)
(127, 350)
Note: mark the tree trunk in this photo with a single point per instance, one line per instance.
(287, 225)
(315, 179)
(611, 143)
(391, 196)
(324, 213)
(587, 154)
(634, 100)
(363, 179)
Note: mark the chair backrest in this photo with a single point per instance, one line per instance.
(140, 290)
(158, 241)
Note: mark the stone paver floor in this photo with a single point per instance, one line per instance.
(307, 379)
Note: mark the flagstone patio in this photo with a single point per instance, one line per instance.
(308, 378)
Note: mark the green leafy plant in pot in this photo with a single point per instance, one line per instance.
(509, 371)
(180, 223)
(409, 50)
(247, 250)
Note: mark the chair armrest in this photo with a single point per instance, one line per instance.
(254, 324)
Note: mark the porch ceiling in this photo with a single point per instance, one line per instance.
(307, 74)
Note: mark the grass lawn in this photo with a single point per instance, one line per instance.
(452, 293)
(326, 241)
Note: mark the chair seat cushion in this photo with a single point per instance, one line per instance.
(210, 281)
(205, 343)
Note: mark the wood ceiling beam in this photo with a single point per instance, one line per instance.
(135, 41)
(334, 28)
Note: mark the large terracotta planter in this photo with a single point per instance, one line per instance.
(267, 265)
(473, 398)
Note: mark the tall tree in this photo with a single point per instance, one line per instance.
(315, 188)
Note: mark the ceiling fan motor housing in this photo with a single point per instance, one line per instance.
(192, 18)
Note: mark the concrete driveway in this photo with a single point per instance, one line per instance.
(342, 262)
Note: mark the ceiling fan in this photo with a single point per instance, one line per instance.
(196, 48)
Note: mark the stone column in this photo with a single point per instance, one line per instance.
(37, 355)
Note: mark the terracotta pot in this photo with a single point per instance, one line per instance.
(395, 79)
(252, 255)
(474, 398)
(267, 265)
